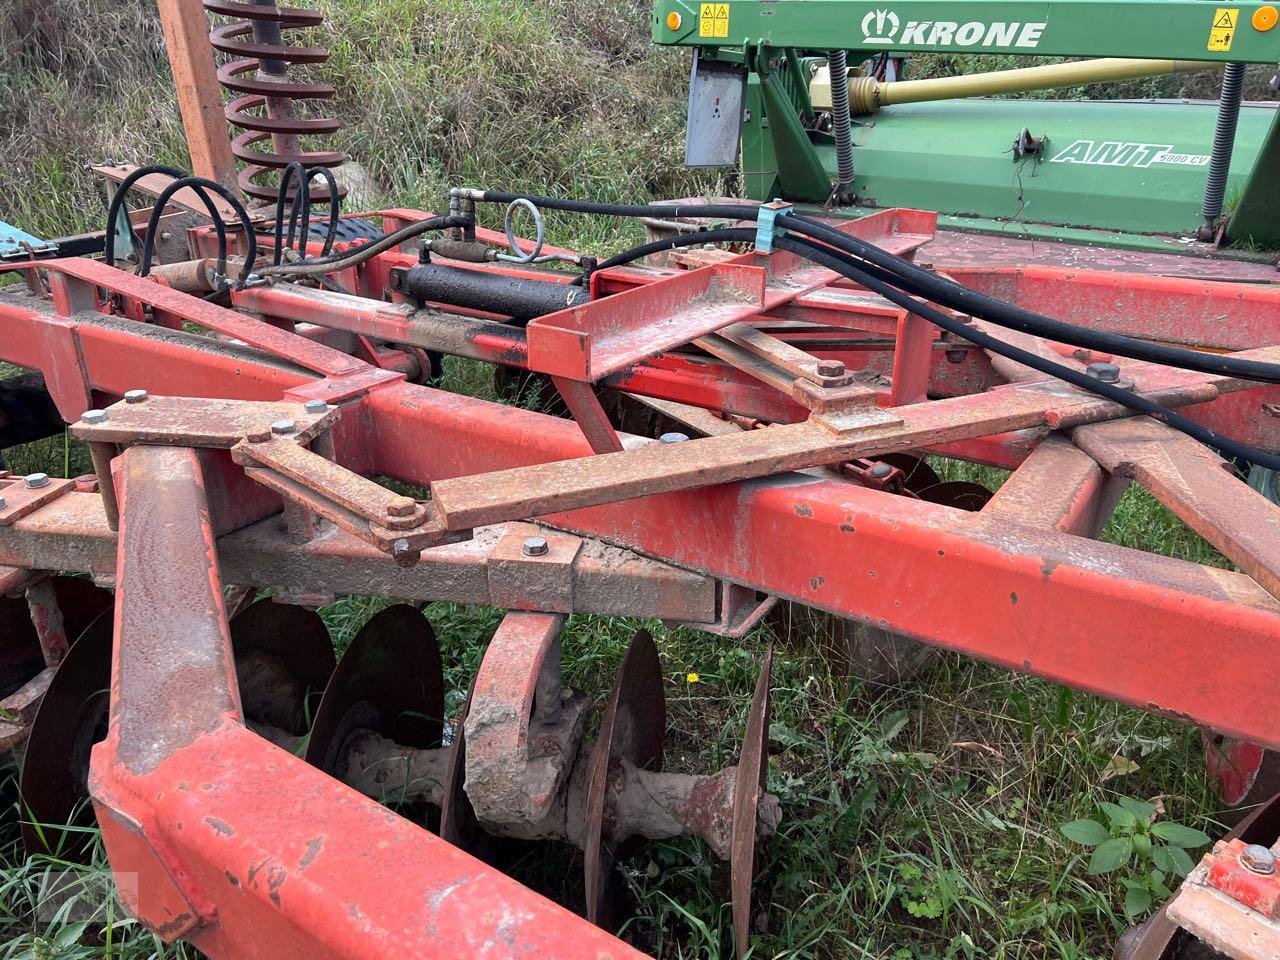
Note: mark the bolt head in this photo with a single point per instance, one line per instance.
(830, 368)
(34, 481)
(316, 406)
(404, 554)
(1106, 372)
(93, 417)
(136, 396)
(3, 503)
(881, 470)
(1258, 859)
(401, 507)
(535, 547)
(282, 428)
(673, 437)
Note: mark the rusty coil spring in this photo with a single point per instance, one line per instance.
(265, 108)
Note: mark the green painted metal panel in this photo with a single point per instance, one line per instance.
(1256, 219)
(1173, 29)
(1135, 167)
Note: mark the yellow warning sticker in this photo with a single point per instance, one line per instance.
(713, 20)
(1223, 30)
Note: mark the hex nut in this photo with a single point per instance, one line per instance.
(673, 437)
(831, 368)
(401, 507)
(94, 417)
(34, 481)
(316, 406)
(283, 427)
(136, 396)
(535, 547)
(1106, 372)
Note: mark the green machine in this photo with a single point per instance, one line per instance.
(1146, 175)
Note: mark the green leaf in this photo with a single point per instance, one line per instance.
(1137, 901)
(1119, 816)
(1139, 808)
(1180, 861)
(1087, 832)
(1111, 855)
(1180, 836)
(892, 725)
(1162, 857)
(1142, 844)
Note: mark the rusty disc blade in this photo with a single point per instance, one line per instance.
(748, 786)
(458, 822)
(631, 731)
(21, 658)
(390, 681)
(283, 657)
(961, 494)
(72, 717)
(918, 474)
(81, 601)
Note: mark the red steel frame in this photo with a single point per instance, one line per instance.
(222, 838)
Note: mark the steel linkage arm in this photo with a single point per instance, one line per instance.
(198, 811)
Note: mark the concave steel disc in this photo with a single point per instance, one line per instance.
(631, 731)
(72, 717)
(961, 494)
(459, 824)
(748, 787)
(283, 655)
(390, 682)
(918, 474)
(21, 659)
(74, 714)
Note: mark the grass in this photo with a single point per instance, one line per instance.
(920, 818)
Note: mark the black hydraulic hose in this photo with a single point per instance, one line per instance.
(847, 268)
(724, 235)
(251, 241)
(301, 207)
(349, 258)
(956, 296)
(936, 288)
(122, 191)
(335, 206)
(665, 210)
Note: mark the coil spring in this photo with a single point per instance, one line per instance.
(838, 61)
(1224, 137)
(264, 109)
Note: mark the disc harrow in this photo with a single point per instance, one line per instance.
(271, 801)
